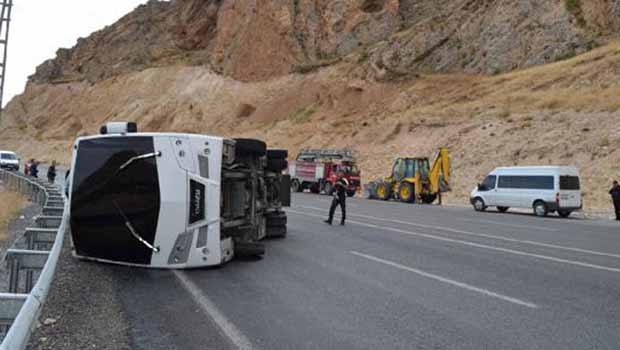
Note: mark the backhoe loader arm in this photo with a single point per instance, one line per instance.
(439, 175)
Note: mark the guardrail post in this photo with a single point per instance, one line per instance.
(28, 260)
(10, 305)
(29, 283)
(13, 275)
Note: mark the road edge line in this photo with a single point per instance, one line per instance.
(224, 324)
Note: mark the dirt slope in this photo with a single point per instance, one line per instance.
(386, 78)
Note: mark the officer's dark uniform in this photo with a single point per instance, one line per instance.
(340, 198)
(615, 197)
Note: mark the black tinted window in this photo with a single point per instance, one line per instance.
(7, 156)
(569, 183)
(526, 182)
(101, 195)
(489, 183)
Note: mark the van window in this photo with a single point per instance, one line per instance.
(489, 183)
(569, 183)
(7, 156)
(526, 182)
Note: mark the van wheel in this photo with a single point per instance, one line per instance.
(503, 209)
(479, 204)
(296, 186)
(540, 209)
(564, 213)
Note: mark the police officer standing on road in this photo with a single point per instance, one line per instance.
(615, 197)
(340, 197)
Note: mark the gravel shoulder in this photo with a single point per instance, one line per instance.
(83, 309)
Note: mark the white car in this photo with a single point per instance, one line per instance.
(544, 189)
(9, 160)
(169, 200)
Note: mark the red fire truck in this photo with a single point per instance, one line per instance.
(318, 171)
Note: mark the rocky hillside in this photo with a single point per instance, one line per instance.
(257, 40)
(498, 81)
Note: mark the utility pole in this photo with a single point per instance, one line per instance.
(5, 21)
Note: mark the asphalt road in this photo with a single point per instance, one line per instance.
(397, 276)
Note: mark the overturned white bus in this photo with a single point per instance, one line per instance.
(169, 200)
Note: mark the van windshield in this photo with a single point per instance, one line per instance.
(488, 183)
(570, 183)
(7, 156)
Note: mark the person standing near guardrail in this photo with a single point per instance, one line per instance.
(615, 197)
(27, 167)
(51, 172)
(34, 168)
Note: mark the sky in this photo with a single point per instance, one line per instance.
(40, 27)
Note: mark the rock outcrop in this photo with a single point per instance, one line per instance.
(257, 40)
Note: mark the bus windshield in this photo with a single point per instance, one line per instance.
(104, 199)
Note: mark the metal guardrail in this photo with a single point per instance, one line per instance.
(36, 253)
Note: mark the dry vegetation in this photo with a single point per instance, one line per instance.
(11, 204)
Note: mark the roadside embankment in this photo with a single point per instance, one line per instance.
(11, 204)
(16, 214)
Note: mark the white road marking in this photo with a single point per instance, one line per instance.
(477, 245)
(226, 327)
(447, 280)
(443, 228)
(509, 225)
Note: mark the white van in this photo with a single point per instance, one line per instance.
(545, 189)
(9, 160)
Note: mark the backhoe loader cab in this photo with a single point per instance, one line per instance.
(414, 180)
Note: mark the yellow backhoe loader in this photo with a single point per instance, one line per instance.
(414, 180)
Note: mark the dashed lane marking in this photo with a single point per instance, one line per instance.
(447, 280)
(469, 233)
(476, 245)
(509, 225)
